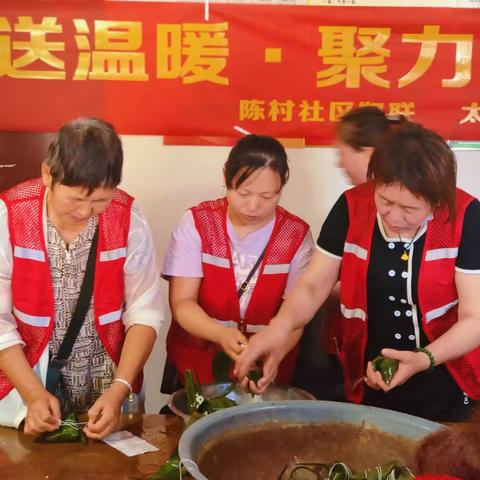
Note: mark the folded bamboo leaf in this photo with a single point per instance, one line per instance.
(68, 432)
(221, 366)
(255, 375)
(386, 366)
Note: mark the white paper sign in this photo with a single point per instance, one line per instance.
(129, 444)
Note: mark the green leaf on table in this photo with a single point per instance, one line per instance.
(198, 407)
(170, 470)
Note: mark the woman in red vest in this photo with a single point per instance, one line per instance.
(359, 131)
(52, 230)
(230, 261)
(405, 245)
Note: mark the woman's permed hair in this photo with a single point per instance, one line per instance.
(421, 161)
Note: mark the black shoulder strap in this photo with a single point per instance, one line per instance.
(83, 302)
(244, 284)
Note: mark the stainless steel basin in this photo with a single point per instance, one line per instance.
(295, 412)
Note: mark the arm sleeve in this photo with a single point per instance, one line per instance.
(468, 260)
(300, 261)
(183, 257)
(144, 304)
(9, 335)
(331, 240)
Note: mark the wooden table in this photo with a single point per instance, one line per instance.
(23, 458)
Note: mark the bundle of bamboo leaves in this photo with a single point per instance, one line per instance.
(341, 471)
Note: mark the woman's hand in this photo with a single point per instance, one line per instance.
(232, 341)
(409, 363)
(104, 415)
(43, 409)
(269, 345)
(43, 412)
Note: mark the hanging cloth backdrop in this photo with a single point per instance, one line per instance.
(288, 71)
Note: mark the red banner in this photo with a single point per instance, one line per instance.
(288, 71)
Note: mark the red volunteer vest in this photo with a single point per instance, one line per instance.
(218, 292)
(437, 293)
(32, 294)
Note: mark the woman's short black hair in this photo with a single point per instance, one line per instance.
(86, 152)
(366, 126)
(251, 153)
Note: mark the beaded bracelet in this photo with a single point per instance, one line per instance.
(430, 356)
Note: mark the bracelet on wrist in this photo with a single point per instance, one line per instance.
(127, 384)
(430, 356)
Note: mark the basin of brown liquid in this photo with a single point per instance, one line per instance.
(256, 441)
(262, 451)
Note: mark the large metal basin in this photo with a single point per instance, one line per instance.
(296, 412)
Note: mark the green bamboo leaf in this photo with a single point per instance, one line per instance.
(219, 403)
(221, 366)
(195, 399)
(198, 407)
(170, 470)
(68, 432)
(341, 471)
(386, 366)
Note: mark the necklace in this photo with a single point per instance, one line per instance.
(405, 255)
